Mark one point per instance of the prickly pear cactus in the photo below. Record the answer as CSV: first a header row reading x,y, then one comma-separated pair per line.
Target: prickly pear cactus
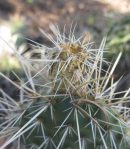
x,y
67,102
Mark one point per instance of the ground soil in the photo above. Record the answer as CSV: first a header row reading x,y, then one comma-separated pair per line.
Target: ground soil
x,y
92,15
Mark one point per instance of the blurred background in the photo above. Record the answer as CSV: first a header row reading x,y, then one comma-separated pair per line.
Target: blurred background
x,y
21,19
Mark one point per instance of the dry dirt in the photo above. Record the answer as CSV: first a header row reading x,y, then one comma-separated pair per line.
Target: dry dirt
x,y
93,15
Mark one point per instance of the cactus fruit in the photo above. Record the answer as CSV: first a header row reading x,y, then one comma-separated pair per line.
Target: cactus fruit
x,y
68,100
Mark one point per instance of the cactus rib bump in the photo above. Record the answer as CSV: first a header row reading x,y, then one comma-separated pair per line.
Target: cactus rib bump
x,y
68,100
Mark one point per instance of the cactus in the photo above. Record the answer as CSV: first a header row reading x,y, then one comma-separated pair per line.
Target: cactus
x,y
68,100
